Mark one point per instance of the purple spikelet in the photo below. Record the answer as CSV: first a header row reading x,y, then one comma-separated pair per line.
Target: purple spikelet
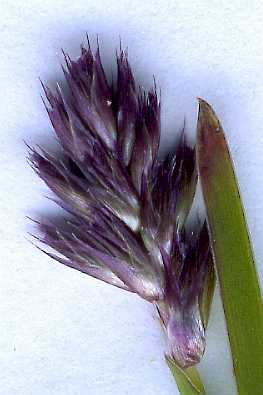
x,y
128,207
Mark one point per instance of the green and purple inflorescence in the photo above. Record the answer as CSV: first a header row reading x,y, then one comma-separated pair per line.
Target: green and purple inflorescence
x,y
128,207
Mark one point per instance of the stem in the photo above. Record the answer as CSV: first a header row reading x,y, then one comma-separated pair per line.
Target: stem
x,y
188,380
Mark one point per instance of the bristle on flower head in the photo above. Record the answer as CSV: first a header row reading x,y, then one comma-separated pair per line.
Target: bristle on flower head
x,y
128,207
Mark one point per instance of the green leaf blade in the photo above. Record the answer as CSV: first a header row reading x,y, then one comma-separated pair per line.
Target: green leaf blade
x,y
206,298
232,252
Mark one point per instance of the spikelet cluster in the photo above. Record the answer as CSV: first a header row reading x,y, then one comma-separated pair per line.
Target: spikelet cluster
x,y
128,207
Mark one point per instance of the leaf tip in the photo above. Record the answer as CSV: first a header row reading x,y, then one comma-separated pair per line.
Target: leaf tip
x,y
207,119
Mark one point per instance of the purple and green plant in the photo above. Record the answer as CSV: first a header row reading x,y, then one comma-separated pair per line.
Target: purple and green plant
x,y
128,207
129,214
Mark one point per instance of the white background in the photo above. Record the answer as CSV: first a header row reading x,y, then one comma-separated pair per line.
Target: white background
x,y
63,333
